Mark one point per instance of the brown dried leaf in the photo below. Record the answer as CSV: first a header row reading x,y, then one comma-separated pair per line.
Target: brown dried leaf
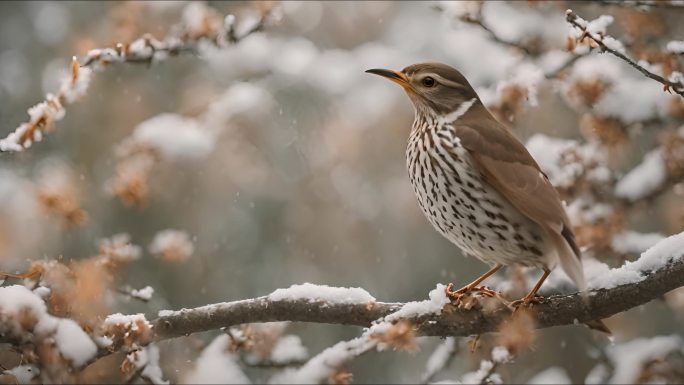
x,y
519,332
401,336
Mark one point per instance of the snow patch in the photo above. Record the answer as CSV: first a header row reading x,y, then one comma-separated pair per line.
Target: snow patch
x,y
314,293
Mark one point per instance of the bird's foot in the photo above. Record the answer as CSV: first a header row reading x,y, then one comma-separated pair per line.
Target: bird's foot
x,y
456,295
526,301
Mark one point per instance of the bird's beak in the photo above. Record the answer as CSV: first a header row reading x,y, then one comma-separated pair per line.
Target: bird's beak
x,y
395,76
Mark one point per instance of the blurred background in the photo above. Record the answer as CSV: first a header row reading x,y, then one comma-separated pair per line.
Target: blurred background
x,y
302,174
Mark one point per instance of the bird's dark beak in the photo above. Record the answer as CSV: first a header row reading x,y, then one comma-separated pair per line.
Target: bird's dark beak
x,y
395,76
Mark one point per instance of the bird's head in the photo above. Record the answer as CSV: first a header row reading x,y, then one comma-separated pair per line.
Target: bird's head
x,y
435,89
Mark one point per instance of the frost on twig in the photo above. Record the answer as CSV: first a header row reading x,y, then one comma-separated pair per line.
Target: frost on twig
x,y
595,32
200,25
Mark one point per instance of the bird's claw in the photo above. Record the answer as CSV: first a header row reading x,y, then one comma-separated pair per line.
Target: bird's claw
x,y
526,301
456,295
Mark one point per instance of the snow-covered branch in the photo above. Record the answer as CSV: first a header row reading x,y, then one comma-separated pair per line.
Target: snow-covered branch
x,y
200,25
554,311
658,271
595,31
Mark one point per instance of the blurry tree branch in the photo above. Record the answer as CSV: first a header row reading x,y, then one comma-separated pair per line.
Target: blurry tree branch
x,y
210,28
477,20
643,4
676,85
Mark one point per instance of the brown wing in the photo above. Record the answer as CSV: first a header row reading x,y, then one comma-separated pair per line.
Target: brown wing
x,y
512,171
510,168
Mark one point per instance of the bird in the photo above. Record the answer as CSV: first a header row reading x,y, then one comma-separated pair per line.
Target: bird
x,y
478,185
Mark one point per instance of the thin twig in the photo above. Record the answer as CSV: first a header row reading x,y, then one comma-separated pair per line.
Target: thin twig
x,y
477,21
144,50
493,36
643,4
677,87
567,64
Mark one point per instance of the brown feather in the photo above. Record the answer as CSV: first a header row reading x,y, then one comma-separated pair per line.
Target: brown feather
x,y
510,168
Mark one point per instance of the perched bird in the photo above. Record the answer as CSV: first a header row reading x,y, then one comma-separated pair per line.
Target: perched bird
x,y
478,185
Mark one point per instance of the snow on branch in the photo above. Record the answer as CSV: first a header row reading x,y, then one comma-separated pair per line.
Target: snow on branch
x,y
390,325
200,25
658,271
596,31
646,285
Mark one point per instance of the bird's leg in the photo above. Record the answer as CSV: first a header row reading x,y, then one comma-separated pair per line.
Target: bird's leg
x,y
532,295
455,295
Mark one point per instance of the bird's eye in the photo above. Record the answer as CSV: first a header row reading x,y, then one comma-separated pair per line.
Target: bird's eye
x,y
428,81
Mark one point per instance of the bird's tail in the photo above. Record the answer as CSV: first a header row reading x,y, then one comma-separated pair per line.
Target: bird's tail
x,y
570,258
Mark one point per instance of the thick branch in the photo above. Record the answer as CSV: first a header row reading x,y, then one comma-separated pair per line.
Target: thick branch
x,y
669,85
554,311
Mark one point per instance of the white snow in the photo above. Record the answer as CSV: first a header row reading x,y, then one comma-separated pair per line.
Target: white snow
x,y
458,9
48,111
643,179
147,359
216,365
562,172
74,344
676,46
314,293
289,348
240,99
165,313
439,357
525,75
633,100
131,320
145,293
174,136
71,341
656,257
629,357
74,89
481,374
433,305
629,96
613,44
320,367
552,375
599,25
501,355
597,375
119,247
176,244
634,242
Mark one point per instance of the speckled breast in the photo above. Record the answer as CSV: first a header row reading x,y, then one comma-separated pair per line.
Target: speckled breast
x,y
463,207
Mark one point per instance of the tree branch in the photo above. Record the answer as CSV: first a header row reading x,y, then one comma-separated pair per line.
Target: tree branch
x,y
642,4
217,31
553,311
669,85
